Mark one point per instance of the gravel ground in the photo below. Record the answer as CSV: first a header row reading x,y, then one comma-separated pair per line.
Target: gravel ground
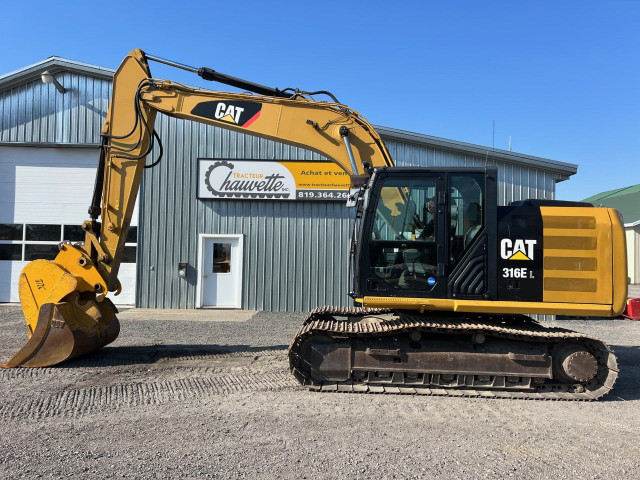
x,y
185,394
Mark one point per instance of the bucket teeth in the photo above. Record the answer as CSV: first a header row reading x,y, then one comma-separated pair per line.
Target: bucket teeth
x,y
61,333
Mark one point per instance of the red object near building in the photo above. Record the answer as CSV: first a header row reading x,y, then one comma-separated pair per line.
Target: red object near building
x,y
632,310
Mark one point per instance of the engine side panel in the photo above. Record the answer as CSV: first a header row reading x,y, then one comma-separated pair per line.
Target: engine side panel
x,y
519,252
578,255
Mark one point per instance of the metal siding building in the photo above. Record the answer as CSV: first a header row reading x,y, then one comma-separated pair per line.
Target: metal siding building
x,y
295,252
36,114
48,157
286,244
633,252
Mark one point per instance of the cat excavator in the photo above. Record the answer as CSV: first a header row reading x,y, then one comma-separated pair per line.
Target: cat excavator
x,y
443,279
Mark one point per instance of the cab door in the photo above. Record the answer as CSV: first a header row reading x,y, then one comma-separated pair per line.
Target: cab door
x,y
401,243
470,236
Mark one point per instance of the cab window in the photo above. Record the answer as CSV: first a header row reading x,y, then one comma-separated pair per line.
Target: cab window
x,y
467,205
403,235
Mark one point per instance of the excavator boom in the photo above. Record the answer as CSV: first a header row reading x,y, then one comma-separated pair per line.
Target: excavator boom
x,y
64,300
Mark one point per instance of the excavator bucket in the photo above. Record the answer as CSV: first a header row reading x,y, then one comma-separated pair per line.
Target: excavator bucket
x,y
54,340
63,321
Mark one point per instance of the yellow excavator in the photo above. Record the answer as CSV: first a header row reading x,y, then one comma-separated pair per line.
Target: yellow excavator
x,y
442,277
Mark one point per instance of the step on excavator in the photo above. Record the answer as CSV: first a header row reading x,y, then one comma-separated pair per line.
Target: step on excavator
x,y
443,279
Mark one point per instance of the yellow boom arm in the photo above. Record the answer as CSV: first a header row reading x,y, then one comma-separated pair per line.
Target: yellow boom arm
x,y
64,300
299,120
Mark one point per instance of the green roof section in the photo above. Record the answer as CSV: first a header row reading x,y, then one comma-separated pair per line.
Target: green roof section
x,y
626,200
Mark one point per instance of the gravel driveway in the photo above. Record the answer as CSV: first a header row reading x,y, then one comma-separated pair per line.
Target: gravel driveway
x,y
185,394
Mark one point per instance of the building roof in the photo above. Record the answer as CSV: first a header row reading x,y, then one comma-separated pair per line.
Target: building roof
x,y
53,65
626,200
478,150
56,64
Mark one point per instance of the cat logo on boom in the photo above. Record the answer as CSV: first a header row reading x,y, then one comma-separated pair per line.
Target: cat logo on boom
x,y
238,113
228,113
517,249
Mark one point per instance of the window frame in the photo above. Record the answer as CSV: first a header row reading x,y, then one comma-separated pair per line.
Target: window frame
x,y
368,283
480,180
24,242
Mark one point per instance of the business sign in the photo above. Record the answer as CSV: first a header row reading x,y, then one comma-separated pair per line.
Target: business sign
x,y
271,180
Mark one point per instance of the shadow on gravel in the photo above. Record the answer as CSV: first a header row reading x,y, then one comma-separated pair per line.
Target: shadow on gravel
x,y
627,386
627,355
135,355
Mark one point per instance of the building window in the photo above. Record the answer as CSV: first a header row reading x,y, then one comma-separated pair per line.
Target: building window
x,y
10,252
73,233
33,241
11,231
37,251
129,255
43,233
221,258
132,235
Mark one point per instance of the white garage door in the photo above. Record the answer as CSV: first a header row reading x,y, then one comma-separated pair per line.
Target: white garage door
x,y
44,198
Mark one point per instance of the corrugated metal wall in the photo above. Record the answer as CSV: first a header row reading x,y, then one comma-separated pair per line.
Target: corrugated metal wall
x,y
295,254
284,241
515,182
37,113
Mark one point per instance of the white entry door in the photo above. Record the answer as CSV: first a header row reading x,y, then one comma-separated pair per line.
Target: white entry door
x,y
220,271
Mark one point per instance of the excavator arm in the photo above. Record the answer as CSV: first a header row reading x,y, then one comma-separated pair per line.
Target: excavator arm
x,y
64,300
328,128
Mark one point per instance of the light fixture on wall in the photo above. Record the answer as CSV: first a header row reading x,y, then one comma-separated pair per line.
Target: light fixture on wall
x,y
49,78
182,270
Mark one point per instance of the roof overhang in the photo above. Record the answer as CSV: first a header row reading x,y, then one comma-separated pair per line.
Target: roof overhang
x,y
53,65
565,170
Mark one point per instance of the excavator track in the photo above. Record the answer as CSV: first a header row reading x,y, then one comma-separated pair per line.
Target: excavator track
x,y
503,356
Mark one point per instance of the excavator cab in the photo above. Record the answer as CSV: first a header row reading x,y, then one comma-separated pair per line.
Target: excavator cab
x,y
436,239
415,247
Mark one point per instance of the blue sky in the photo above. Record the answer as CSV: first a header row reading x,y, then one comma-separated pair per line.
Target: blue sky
x,y
561,78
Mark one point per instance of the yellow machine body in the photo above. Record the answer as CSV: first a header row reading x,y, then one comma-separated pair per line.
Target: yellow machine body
x,y
64,301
